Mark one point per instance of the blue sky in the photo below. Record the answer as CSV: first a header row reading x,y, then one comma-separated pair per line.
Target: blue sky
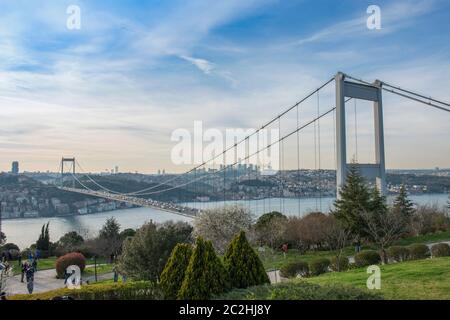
x,y
112,92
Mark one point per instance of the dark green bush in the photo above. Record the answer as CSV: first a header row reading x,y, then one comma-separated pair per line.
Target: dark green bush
x,y
292,269
142,290
418,251
243,265
398,253
299,290
205,275
367,258
339,265
440,250
319,266
73,258
175,269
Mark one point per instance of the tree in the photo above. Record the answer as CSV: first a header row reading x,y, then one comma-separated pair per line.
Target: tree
x,y
337,238
205,275
383,227
221,225
270,228
127,233
308,232
70,240
403,205
173,274
145,255
109,240
2,238
354,199
243,265
43,242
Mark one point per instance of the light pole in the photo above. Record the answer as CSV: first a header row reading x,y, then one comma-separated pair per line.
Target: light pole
x,y
95,268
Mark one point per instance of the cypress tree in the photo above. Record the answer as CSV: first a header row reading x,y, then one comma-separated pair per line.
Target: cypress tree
x,y
173,274
205,275
243,265
402,204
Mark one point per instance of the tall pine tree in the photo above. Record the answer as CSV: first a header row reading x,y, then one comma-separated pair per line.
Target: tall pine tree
x,y
403,205
354,199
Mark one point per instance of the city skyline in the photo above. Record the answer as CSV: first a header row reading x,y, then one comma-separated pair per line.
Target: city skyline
x,y
112,92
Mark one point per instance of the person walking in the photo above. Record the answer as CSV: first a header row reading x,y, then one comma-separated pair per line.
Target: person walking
x,y
30,279
34,264
23,270
116,274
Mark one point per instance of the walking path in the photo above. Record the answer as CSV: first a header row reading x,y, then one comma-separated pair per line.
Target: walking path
x,y
45,280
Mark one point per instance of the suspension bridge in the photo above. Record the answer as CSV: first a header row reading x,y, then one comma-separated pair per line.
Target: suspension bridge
x,y
252,157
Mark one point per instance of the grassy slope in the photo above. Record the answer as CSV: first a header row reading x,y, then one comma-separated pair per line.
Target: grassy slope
x,y
421,279
276,259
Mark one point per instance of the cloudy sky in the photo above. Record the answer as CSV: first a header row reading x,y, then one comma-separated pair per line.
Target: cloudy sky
x,y
112,92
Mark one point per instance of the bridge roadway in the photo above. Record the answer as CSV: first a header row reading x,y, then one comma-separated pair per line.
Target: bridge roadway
x,y
159,205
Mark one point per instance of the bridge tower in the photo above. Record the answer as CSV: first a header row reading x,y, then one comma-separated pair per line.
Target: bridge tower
x,y
366,92
67,160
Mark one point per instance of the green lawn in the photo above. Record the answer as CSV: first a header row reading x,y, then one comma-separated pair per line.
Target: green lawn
x,y
429,238
274,259
101,269
421,279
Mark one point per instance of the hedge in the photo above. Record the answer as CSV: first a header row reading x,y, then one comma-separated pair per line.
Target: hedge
x,y
292,269
141,290
299,290
418,251
339,265
73,258
440,250
319,266
398,253
366,258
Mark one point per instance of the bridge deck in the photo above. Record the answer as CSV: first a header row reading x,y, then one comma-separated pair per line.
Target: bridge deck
x,y
158,205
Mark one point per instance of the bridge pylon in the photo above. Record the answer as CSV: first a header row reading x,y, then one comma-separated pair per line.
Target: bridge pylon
x,y
373,92
67,160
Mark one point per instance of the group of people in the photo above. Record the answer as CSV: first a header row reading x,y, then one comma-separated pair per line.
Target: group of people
x,y
28,268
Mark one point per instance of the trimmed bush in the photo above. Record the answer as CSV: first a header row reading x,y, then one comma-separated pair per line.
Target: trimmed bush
x,y
141,290
73,258
319,266
398,253
293,269
173,273
300,290
367,258
418,251
339,265
205,275
243,265
440,250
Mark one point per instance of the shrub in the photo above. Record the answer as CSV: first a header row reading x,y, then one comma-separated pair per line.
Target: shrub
x,y
292,269
141,290
418,251
175,269
9,246
319,266
301,290
339,264
205,275
440,250
73,258
145,255
243,265
367,258
398,253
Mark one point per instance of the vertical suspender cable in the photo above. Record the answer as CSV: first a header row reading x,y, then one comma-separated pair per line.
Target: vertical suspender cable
x,y
319,150
298,165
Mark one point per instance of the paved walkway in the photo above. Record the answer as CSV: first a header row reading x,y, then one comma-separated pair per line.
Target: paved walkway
x,y
45,280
